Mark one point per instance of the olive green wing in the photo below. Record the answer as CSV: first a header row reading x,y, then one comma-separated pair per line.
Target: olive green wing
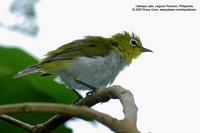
x,y
88,47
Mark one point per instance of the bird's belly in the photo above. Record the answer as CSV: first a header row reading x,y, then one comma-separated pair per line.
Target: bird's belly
x,y
97,72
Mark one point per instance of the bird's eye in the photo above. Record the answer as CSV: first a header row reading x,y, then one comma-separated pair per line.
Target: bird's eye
x,y
133,42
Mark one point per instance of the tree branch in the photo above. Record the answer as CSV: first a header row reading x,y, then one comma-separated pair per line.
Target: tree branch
x,y
76,111
16,122
127,125
127,100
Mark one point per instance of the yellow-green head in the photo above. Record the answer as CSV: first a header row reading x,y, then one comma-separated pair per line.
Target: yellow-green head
x,y
129,45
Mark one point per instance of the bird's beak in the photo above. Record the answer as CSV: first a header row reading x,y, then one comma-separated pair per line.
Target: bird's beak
x,y
146,50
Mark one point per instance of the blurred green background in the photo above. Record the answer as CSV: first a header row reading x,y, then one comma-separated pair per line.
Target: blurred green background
x,y
31,88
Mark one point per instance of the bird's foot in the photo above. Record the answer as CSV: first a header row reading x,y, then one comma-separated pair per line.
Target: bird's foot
x,y
77,79
90,93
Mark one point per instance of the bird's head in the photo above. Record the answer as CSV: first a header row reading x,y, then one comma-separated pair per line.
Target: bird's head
x,y
129,45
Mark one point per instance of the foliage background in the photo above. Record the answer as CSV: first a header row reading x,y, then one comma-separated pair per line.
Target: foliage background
x,y
31,88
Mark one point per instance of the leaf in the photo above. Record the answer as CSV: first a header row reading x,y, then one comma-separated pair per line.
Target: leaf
x,y
30,88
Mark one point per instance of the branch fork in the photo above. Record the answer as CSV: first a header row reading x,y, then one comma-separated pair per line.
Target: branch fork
x,y
80,110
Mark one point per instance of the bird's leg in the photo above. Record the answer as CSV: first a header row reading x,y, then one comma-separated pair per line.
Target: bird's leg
x,y
77,79
85,84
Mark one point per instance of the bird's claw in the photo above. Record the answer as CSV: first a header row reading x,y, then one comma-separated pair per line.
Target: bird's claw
x,y
90,93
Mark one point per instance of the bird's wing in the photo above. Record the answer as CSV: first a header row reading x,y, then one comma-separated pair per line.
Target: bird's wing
x,y
88,47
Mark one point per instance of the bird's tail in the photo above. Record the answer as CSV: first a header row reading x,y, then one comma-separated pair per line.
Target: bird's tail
x,y
27,71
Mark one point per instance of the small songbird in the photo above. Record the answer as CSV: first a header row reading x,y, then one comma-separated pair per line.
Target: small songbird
x,y
91,62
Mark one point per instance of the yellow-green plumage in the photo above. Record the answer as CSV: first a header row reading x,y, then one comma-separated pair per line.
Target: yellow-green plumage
x,y
125,48
96,60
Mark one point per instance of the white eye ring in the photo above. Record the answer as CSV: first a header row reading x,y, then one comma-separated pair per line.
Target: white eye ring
x,y
133,42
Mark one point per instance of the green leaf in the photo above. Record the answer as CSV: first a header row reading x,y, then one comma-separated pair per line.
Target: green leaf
x,y
31,88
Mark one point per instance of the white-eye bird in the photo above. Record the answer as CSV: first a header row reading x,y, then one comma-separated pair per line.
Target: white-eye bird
x,y
94,60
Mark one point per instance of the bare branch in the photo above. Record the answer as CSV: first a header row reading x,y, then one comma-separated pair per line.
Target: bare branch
x,y
127,125
76,111
102,95
59,119
16,122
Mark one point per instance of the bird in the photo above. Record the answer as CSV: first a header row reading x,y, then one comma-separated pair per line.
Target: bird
x,y
91,62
